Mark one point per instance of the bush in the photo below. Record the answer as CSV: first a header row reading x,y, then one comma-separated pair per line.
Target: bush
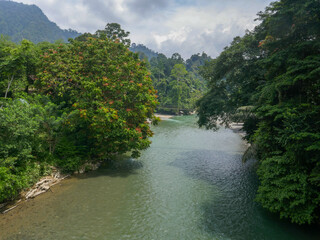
x,y
19,167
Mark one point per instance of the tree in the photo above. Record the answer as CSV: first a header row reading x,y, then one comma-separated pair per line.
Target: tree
x,y
288,110
21,155
84,37
18,62
112,31
274,72
106,92
178,85
233,78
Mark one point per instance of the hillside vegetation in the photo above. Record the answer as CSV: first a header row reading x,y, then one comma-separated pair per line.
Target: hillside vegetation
x,y
20,21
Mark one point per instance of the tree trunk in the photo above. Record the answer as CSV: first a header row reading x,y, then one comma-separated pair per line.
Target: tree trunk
x,y
9,84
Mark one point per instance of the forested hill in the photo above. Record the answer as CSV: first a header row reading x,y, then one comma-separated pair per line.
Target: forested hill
x,y
20,21
143,51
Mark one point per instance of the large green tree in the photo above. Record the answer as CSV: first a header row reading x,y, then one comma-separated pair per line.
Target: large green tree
x,y
106,91
273,72
91,100
233,78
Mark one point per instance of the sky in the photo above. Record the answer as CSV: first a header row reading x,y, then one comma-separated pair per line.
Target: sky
x,y
167,26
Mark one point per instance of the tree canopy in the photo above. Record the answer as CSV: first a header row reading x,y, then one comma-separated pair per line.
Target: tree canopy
x,y
112,31
67,105
273,73
178,82
106,86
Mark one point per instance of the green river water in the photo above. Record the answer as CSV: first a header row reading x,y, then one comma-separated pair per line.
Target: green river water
x,y
190,184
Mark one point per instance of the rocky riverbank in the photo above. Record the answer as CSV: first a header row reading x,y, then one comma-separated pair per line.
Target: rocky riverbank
x,y
44,185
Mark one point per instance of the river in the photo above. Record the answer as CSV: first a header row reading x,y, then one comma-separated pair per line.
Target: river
x,y
190,184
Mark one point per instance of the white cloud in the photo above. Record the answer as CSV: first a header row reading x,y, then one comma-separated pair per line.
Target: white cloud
x,y
179,36
166,26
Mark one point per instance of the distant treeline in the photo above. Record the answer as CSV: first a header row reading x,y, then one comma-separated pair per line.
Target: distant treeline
x,y
177,81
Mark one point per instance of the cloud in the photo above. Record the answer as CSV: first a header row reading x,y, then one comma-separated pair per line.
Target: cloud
x,y
145,8
209,28
184,26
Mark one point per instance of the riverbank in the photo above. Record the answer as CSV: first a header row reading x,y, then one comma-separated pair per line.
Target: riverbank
x,y
238,128
43,185
46,182
190,184
164,116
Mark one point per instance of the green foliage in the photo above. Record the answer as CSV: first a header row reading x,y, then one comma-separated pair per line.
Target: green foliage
x,y
174,94
69,155
17,66
20,147
20,21
112,31
178,89
232,79
107,92
143,50
67,105
275,70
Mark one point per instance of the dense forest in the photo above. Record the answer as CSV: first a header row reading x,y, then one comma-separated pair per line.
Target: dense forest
x,y
20,21
178,81
270,80
66,105
143,51
178,86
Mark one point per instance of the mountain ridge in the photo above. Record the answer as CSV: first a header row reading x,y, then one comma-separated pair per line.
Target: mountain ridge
x,y
22,21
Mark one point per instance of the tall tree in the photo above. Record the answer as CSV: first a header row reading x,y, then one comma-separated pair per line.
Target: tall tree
x,y
17,65
178,85
274,72
112,31
106,91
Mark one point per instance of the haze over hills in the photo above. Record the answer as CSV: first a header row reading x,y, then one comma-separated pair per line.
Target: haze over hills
x,y
20,21
141,49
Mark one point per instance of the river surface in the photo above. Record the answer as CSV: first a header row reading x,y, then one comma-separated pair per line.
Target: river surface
x,y
190,184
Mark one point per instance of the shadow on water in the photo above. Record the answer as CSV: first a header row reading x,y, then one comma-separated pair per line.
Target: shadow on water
x,y
37,214
122,166
232,213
